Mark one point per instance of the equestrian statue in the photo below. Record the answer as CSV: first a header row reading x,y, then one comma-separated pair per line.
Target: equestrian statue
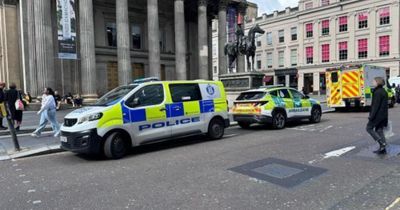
x,y
245,45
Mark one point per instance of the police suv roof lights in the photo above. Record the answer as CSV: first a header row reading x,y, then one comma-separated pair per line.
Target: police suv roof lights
x,y
143,80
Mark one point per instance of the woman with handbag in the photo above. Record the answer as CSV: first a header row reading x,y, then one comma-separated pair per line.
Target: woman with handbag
x,y
14,101
48,114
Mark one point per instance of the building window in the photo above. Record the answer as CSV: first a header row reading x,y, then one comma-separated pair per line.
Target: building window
x,y
324,2
269,60
293,57
269,38
281,57
384,46
258,58
325,27
309,55
136,37
215,70
362,48
258,41
384,16
363,20
325,53
293,32
309,5
343,24
309,30
111,30
342,51
281,34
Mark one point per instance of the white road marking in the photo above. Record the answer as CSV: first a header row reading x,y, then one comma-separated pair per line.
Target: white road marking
x,y
15,165
397,201
22,175
37,202
31,191
18,169
26,182
339,152
325,129
231,135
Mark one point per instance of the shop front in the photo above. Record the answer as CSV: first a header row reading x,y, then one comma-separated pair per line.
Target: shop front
x,y
287,77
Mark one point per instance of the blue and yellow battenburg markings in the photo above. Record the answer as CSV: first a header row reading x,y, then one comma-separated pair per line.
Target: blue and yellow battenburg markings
x,y
172,110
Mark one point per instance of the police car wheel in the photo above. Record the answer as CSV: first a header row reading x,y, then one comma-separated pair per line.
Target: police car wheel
x,y
315,115
278,120
115,146
244,125
216,129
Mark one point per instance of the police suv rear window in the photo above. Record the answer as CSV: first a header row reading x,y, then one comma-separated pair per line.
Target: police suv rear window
x,y
251,96
185,92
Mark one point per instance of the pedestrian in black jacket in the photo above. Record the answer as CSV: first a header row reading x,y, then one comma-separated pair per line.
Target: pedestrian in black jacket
x,y
12,95
378,116
2,100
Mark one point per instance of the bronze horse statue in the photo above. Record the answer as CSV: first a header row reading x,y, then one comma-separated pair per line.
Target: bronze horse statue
x,y
244,45
250,45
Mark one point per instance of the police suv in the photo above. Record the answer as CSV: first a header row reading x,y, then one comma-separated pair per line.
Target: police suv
x,y
144,113
274,105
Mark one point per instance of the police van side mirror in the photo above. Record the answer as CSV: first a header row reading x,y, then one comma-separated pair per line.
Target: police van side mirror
x,y
306,97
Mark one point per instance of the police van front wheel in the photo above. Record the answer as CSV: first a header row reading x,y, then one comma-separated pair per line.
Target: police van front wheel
x,y
115,146
216,129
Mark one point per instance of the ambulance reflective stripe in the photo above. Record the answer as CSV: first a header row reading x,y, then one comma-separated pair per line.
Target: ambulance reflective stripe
x,y
350,81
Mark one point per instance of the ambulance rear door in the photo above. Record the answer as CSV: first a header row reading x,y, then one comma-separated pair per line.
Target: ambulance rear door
x,y
334,92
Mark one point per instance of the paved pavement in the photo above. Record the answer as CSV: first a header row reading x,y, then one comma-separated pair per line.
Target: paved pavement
x,y
329,165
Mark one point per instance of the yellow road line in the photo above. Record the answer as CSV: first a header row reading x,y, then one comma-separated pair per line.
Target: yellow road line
x,y
397,201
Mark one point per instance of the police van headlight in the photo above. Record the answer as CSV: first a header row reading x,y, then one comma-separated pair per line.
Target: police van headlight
x,y
91,117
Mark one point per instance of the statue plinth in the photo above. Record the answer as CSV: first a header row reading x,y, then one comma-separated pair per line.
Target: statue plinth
x,y
242,81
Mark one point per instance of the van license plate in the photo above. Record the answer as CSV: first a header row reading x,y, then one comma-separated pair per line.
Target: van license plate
x,y
64,139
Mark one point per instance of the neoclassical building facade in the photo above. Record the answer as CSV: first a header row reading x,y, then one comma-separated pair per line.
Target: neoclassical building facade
x,y
301,43
117,41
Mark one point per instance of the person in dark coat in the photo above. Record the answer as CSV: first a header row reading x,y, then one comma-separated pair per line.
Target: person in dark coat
x,y
2,100
12,95
378,116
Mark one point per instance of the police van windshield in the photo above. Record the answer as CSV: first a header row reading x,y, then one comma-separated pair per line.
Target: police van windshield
x,y
251,96
115,95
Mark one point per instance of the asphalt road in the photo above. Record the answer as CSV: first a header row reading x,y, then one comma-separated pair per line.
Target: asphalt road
x,y
301,167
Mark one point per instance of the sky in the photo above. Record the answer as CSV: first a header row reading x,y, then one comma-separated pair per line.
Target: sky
x,y
268,6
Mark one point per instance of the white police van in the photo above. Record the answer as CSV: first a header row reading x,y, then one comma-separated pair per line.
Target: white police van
x,y
144,113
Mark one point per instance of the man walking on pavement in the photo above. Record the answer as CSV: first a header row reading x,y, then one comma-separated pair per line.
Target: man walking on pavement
x,y
378,116
3,111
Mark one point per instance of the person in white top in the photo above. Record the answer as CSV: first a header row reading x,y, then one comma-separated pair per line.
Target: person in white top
x,y
47,114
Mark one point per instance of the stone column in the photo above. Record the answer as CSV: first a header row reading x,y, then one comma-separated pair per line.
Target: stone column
x,y
124,57
210,49
222,60
44,45
32,50
88,59
154,38
180,40
202,39
241,58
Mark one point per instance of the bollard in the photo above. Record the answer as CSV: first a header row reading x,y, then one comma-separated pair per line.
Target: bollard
x,y
13,132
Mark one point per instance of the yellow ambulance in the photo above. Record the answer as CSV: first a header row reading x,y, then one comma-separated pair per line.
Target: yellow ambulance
x,y
144,113
351,86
